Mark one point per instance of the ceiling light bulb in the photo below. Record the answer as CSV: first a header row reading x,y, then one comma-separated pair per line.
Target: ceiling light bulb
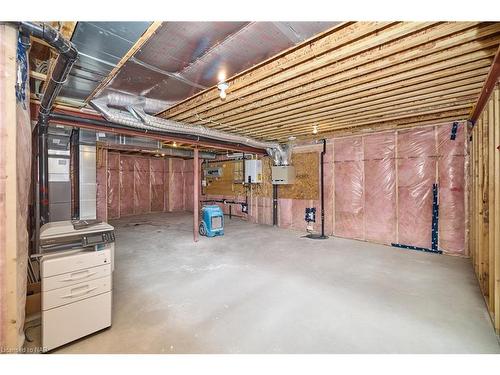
x,y
222,89
315,129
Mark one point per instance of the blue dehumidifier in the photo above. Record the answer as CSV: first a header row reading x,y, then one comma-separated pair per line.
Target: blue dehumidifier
x,y
212,221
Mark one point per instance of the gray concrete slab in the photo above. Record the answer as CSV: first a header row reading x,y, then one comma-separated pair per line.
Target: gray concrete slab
x,y
259,289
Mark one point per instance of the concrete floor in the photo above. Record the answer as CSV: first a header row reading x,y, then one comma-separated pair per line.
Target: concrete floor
x,y
264,290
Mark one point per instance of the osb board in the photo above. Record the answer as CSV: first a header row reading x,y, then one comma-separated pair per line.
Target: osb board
x,y
224,185
306,184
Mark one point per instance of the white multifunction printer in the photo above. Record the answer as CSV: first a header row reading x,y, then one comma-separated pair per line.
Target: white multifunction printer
x,y
76,268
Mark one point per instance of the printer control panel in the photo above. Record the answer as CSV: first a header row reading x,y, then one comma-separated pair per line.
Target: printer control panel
x,y
98,238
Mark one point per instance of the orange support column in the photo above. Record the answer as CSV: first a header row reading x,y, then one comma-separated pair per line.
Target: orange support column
x,y
196,182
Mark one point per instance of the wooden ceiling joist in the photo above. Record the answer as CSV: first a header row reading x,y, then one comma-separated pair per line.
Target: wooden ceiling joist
x,y
489,85
334,63
363,103
312,88
400,113
425,100
390,85
455,114
358,74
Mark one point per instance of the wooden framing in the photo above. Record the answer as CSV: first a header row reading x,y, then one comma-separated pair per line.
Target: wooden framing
x,y
13,248
488,88
356,74
485,204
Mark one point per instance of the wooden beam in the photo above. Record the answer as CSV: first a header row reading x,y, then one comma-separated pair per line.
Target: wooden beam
x,y
400,78
388,54
151,30
376,97
402,116
38,76
302,72
11,256
491,206
66,28
346,112
375,116
489,86
420,120
496,199
457,60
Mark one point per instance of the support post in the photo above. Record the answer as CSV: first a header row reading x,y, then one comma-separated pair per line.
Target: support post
x,y
196,200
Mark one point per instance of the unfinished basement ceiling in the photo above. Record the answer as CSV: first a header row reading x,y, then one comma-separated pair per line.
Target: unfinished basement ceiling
x,y
181,59
369,75
101,46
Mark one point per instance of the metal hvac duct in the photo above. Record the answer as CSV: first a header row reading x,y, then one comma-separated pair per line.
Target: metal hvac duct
x,y
133,112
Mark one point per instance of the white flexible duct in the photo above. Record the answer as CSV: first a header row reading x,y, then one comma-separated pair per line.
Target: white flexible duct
x,y
119,100
138,117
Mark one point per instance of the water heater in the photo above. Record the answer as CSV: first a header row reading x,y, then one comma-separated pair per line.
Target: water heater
x,y
253,171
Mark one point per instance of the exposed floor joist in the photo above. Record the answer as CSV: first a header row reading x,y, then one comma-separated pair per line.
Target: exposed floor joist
x,y
357,74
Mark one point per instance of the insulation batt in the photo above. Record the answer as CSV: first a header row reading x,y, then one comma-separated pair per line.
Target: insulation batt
x,y
131,185
378,188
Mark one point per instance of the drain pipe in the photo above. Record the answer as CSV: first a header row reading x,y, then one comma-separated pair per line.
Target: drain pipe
x,y
67,57
321,236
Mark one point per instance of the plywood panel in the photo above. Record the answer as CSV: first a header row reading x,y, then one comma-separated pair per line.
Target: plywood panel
x,y
225,184
306,184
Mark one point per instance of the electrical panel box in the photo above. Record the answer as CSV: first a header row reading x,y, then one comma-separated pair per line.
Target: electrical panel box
x,y
253,171
213,172
283,175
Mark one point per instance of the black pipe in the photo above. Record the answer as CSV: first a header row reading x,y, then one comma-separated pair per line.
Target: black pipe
x,y
323,190
321,236
43,172
275,205
67,57
75,173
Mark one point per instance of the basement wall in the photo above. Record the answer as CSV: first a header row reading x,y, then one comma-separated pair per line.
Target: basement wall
x,y
484,204
378,188
135,184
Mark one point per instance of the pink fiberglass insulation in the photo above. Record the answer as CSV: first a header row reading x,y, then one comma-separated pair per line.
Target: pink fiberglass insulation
x,y
451,157
329,190
157,184
380,188
188,187
126,185
349,197
142,197
113,185
176,182
416,175
285,212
